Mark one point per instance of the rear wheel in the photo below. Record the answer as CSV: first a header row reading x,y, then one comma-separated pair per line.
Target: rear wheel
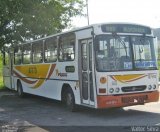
x,y
20,89
70,101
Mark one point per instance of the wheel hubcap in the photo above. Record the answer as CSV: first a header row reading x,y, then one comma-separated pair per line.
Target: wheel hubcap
x,y
69,99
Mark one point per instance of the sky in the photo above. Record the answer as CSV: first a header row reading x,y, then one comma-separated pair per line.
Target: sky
x,y
145,12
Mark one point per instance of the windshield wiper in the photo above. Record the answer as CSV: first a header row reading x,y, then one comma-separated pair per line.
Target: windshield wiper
x,y
122,42
141,41
140,52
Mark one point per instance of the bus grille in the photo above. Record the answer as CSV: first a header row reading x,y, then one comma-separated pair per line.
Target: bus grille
x,y
134,88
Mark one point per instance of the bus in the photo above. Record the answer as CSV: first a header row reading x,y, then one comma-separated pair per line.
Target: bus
x,y
99,66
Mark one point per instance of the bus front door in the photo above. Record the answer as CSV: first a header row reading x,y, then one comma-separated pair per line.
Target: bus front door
x,y
86,72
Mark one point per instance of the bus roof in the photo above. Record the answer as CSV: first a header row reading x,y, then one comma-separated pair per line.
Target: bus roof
x,y
86,27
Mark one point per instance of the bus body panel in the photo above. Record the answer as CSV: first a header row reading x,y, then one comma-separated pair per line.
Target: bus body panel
x,y
7,77
47,79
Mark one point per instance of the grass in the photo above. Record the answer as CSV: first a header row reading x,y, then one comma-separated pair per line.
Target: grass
x,y
1,77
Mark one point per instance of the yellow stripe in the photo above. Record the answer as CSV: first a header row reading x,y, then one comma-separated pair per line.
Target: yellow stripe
x,y
34,71
128,78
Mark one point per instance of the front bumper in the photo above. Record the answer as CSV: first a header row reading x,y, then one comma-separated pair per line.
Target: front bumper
x,y
127,100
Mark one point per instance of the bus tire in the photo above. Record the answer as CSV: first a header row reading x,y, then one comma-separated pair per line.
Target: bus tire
x,y
70,101
20,89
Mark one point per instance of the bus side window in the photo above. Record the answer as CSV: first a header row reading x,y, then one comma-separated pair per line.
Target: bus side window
x,y
67,47
17,55
26,54
50,49
37,52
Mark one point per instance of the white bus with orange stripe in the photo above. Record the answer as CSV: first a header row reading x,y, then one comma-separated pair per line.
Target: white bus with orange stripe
x,y
99,66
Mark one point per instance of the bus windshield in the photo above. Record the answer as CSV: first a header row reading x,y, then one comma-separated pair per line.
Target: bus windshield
x,y
113,52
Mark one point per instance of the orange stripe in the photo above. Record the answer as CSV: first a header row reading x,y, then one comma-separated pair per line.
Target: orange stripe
x,y
24,79
39,83
51,70
113,78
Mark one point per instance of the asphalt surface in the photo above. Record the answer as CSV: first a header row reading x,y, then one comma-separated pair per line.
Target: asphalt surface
x,y
34,113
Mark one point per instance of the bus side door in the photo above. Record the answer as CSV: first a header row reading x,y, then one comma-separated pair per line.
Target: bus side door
x,y
86,72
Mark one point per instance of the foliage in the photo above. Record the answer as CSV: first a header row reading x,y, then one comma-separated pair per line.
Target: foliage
x,y
22,20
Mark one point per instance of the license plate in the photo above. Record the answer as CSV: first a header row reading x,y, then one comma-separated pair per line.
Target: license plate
x,y
135,99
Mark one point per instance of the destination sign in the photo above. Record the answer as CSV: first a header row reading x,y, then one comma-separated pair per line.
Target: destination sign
x,y
125,28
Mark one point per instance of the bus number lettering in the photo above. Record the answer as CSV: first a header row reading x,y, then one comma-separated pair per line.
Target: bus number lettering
x,y
32,70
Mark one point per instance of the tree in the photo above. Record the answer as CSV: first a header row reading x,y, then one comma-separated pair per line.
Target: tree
x,y
22,20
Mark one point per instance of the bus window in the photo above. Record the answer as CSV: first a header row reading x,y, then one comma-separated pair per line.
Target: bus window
x,y
5,58
50,49
17,55
67,47
37,52
27,53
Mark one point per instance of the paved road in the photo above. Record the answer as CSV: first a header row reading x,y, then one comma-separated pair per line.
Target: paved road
x,y
40,114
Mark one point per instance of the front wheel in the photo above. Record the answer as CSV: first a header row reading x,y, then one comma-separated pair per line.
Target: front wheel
x,y
70,101
20,90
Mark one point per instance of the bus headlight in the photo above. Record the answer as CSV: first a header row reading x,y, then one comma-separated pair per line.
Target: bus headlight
x,y
117,90
149,87
154,86
111,90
